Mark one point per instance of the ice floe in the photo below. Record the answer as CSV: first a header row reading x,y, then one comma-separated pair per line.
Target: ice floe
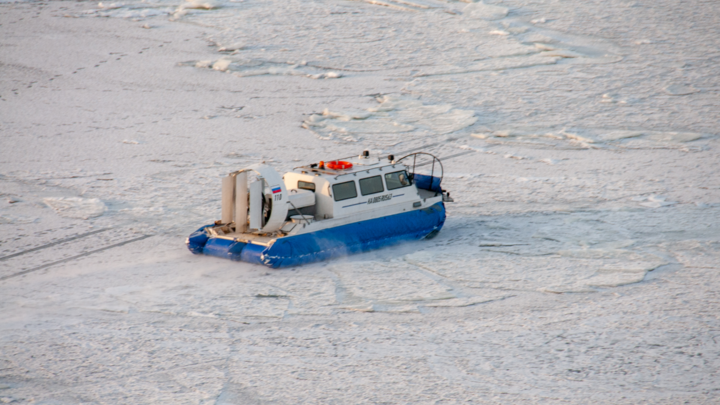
x,y
183,9
76,207
680,90
248,68
16,220
393,115
485,11
655,201
591,138
131,10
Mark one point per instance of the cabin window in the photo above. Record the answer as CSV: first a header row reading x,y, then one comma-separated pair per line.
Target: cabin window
x,y
397,180
371,185
344,191
306,185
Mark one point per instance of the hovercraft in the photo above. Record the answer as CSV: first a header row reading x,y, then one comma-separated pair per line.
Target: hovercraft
x,y
325,210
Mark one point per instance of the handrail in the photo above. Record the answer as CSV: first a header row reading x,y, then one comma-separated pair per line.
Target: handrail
x,y
432,171
298,211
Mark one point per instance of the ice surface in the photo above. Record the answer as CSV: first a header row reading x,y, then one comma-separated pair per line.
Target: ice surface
x,y
511,261
578,263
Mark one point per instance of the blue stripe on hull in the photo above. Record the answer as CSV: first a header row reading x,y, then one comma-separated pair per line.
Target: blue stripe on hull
x,y
253,254
226,249
333,242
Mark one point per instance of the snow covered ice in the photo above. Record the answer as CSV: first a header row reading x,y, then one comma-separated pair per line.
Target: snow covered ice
x,y
578,264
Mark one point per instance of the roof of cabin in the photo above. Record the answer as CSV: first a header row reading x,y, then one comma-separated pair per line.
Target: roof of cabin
x,y
360,164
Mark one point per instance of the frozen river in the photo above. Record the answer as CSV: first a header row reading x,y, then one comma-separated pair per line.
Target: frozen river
x,y
579,263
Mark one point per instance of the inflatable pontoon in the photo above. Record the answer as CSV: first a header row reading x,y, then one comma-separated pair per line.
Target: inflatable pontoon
x,y
325,210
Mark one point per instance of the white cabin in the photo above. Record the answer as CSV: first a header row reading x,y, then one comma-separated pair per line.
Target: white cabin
x,y
314,197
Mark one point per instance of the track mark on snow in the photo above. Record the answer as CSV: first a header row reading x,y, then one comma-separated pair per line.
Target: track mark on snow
x,y
53,244
44,266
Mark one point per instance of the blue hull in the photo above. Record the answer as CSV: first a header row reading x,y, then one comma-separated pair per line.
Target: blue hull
x,y
327,243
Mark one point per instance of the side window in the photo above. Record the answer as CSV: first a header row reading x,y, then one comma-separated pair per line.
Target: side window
x,y
306,185
397,180
371,185
344,191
